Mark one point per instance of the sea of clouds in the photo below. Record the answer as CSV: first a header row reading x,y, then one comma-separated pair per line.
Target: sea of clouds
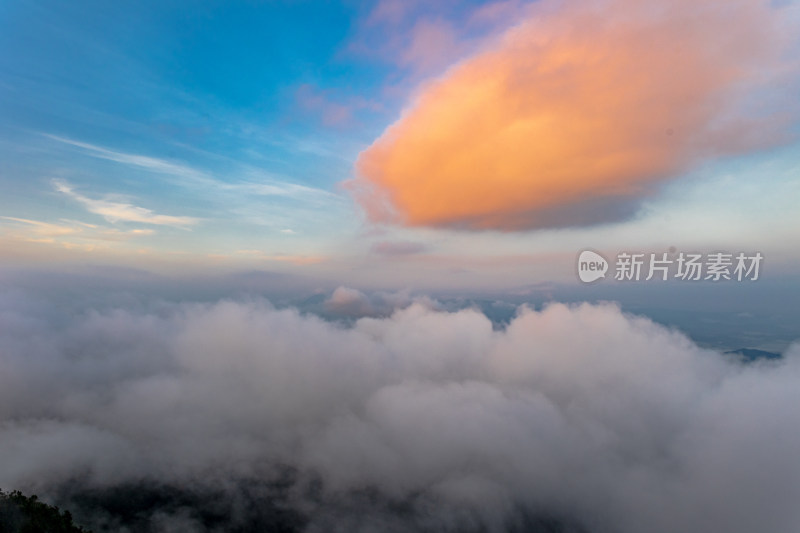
x,y
237,416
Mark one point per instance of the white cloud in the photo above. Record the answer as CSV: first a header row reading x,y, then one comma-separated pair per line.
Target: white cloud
x,y
114,211
141,161
67,231
43,229
578,412
259,185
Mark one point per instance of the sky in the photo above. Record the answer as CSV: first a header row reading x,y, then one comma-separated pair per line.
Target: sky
x,y
396,143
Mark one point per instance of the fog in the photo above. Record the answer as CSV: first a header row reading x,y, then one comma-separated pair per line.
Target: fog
x,y
232,415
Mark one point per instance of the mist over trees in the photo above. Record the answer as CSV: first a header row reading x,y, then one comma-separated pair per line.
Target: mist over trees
x,y
237,416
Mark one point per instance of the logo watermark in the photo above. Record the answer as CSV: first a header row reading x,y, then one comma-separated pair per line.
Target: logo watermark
x,y
591,266
683,266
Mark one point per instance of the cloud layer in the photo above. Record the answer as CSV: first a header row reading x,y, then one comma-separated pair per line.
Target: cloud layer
x,y
423,420
577,112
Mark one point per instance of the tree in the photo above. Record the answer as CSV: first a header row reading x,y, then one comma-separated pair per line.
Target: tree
x,y
26,514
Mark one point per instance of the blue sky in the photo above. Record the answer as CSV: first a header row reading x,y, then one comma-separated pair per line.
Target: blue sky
x,y
177,135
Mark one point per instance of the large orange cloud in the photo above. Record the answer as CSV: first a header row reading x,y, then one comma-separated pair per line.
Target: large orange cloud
x,y
573,115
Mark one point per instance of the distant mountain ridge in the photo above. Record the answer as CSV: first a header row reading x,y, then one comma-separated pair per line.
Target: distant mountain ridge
x,y
750,355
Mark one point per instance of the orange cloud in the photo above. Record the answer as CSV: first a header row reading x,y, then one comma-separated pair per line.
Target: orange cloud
x,y
573,115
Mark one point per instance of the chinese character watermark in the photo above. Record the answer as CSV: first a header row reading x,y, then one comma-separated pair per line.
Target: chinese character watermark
x,y
639,266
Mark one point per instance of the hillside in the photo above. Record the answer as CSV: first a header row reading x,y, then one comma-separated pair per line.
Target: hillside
x,y
26,514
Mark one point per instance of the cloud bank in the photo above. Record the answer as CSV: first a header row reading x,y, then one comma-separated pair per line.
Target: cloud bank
x,y
347,303
220,417
576,113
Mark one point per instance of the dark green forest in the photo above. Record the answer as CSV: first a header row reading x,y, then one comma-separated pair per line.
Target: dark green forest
x,y
26,514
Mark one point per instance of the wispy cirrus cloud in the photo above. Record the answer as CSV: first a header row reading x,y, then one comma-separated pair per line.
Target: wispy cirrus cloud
x,y
285,189
42,231
255,184
66,233
142,161
116,211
